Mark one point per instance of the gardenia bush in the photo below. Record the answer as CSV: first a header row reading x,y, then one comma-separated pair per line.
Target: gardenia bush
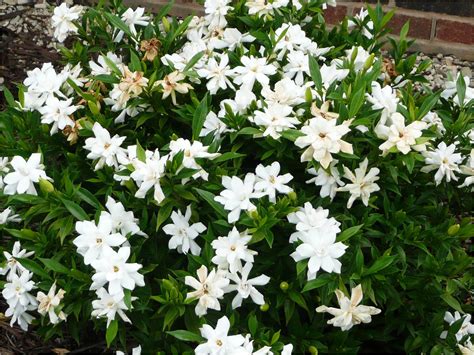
x,y
246,182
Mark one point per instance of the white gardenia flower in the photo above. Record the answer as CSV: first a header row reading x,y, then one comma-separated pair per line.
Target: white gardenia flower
x,y
237,194
147,174
432,119
276,118
48,304
285,92
400,136
385,99
350,312
105,148
101,67
467,328
208,289
308,218
246,288
320,247
172,84
192,151
217,74
468,169
123,222
467,348
109,306
183,234
231,38
13,267
451,90
135,351
133,18
25,173
43,83
16,291
269,182
323,138
368,29
112,268
253,69
329,179
297,67
94,239
216,10
445,160
19,315
218,341
232,250
7,216
58,113
332,73
19,300
362,183
213,124
62,20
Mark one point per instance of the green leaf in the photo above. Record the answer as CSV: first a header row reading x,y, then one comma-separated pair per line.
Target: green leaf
x,y
75,210
380,264
112,330
193,61
298,299
315,73
9,97
55,266
186,335
34,268
461,89
134,62
199,117
253,324
428,103
88,198
317,283
141,155
228,156
107,78
292,134
452,302
357,100
209,197
118,23
163,214
349,232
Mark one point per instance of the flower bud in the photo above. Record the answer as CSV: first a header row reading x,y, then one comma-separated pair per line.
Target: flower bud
x,y
166,24
368,63
264,307
293,197
46,186
254,214
313,350
284,286
454,229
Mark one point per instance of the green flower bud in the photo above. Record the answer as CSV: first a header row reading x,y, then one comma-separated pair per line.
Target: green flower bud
x,y
166,24
454,229
368,63
46,186
284,286
264,307
313,350
254,214
293,197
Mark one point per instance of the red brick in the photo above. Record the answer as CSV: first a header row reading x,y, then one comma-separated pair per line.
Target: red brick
x,y
455,31
420,27
334,15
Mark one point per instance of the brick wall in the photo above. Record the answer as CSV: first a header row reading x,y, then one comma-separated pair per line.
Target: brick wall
x,y
440,26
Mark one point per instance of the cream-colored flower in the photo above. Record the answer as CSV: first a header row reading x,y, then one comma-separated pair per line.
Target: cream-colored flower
x,y
132,82
171,84
323,111
48,304
350,312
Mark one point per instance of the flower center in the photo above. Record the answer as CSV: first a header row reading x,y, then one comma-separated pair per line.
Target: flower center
x,y
99,240
116,269
233,247
322,135
272,179
219,342
106,145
